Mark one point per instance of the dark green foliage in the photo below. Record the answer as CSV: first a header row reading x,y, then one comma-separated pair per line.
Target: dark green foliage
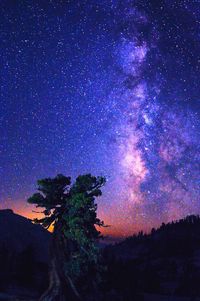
x,y
72,211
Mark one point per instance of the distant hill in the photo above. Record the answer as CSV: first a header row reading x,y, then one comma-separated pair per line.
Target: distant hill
x,y
164,262
178,238
17,233
24,254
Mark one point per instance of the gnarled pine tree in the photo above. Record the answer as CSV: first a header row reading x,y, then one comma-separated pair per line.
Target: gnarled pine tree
x,y
74,255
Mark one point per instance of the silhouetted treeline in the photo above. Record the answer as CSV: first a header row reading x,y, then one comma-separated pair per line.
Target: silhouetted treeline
x,y
164,262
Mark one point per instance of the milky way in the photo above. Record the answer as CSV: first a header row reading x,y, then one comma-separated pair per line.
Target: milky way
x,y
110,88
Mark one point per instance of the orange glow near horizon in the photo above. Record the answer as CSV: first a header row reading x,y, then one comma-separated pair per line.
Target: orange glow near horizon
x,y
115,229
118,228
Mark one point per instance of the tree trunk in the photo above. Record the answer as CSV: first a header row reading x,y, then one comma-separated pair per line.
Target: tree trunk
x,y
53,293
61,287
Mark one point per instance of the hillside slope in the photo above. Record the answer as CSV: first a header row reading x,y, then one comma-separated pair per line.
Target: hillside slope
x,y
24,255
164,262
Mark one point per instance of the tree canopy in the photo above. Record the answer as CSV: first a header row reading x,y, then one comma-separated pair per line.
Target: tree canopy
x,y
71,208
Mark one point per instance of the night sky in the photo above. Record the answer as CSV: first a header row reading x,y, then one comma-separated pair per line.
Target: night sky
x,y
104,87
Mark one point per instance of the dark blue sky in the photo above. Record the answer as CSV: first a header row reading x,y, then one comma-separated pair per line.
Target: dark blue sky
x,y
106,87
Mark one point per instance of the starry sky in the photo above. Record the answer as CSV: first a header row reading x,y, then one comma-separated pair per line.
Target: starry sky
x,y
107,87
